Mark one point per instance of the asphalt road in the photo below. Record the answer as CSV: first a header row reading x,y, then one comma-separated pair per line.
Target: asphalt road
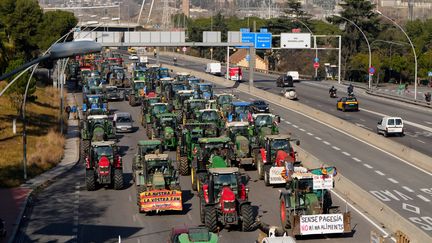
x,y
418,120
66,212
404,188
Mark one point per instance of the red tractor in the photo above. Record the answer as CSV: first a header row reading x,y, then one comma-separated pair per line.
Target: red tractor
x,y
104,166
224,200
273,157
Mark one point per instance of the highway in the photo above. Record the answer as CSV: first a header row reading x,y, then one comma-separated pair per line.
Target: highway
x,y
404,188
418,120
106,214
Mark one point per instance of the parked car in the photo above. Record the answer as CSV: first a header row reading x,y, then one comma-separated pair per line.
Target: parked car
x,y
390,125
295,75
285,81
123,122
259,106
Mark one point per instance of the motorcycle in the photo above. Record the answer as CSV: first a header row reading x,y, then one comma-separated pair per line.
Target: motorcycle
x,y
333,94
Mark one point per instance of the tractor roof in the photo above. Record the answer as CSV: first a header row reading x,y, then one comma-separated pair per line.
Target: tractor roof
x,y
241,103
153,66
197,101
279,136
139,81
185,92
102,143
166,79
97,117
159,103
161,115
111,87
204,110
149,142
224,94
227,170
237,124
156,157
222,139
94,95
262,114
205,84
182,74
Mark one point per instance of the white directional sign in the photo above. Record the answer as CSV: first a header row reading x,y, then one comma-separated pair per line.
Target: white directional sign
x,y
212,36
295,40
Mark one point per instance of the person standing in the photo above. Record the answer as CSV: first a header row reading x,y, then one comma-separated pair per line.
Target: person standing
x,y
74,112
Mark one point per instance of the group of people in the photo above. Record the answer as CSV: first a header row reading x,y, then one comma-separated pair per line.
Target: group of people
x,y
72,110
350,90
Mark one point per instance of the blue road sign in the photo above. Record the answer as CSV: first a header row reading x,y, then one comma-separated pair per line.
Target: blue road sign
x,y
244,30
248,57
263,30
247,38
263,41
316,59
371,70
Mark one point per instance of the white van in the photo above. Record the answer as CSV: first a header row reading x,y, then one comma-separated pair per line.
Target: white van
x,y
295,75
390,125
214,68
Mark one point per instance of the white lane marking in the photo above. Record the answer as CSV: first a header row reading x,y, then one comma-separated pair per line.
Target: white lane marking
x,y
346,153
301,129
335,148
310,134
407,188
363,120
349,135
430,123
318,138
420,141
379,173
294,125
356,159
282,119
364,216
393,180
326,143
423,198
138,241
405,121
367,166
287,122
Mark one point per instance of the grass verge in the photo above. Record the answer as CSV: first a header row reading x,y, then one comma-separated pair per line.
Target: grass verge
x,y
45,145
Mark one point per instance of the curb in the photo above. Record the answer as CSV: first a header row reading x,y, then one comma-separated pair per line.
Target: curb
x,y
35,189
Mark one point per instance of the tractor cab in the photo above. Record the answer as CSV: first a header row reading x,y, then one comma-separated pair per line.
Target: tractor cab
x,y
180,97
209,116
182,77
235,129
163,72
158,108
265,124
240,111
149,147
158,164
193,82
204,91
139,74
164,127
103,148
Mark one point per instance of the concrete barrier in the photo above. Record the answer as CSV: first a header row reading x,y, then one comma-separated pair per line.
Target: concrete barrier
x,y
398,150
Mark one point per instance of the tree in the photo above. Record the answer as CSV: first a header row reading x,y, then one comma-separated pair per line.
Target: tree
x,y
295,10
54,25
219,24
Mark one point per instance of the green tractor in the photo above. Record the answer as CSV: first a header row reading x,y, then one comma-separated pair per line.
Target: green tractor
x,y
163,87
95,128
150,116
241,134
145,107
211,116
164,128
224,200
145,147
308,200
209,152
192,235
178,101
189,134
191,109
138,92
264,124
182,77
103,166
157,184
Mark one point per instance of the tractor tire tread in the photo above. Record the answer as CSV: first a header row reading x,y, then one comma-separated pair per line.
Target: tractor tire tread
x,y
118,179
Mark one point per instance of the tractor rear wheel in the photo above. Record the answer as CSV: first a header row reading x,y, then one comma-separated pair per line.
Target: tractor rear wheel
x,y
90,180
267,174
194,179
285,216
247,217
179,116
260,167
132,100
118,179
184,166
210,219
139,190
85,144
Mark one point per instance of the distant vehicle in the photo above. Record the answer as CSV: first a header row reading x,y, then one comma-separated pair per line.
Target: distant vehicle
x,y
390,125
214,68
289,93
123,122
112,93
259,106
295,75
133,57
132,50
347,103
285,81
143,59
235,74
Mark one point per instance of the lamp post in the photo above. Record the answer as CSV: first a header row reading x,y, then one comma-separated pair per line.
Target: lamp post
x,y
369,48
413,49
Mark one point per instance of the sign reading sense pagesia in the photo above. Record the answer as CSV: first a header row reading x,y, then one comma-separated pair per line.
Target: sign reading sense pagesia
x,y
321,224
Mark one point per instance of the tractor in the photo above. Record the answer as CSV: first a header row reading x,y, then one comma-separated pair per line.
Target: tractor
x,y
95,128
179,98
191,109
94,102
241,134
163,73
204,91
117,77
224,200
306,207
192,234
182,77
189,134
207,152
103,166
157,184
163,87
223,102
264,124
211,116
145,147
240,111
139,90
150,116
164,128
275,153
146,105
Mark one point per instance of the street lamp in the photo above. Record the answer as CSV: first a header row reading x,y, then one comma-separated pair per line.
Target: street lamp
x,y
412,46
369,48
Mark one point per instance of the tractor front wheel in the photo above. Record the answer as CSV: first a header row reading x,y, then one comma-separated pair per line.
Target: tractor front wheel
x,y
118,179
210,219
247,217
193,179
267,174
285,216
90,180
132,100
85,144
184,166
260,167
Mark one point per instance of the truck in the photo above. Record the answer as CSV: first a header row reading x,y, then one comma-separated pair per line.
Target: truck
x,y
235,73
214,68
